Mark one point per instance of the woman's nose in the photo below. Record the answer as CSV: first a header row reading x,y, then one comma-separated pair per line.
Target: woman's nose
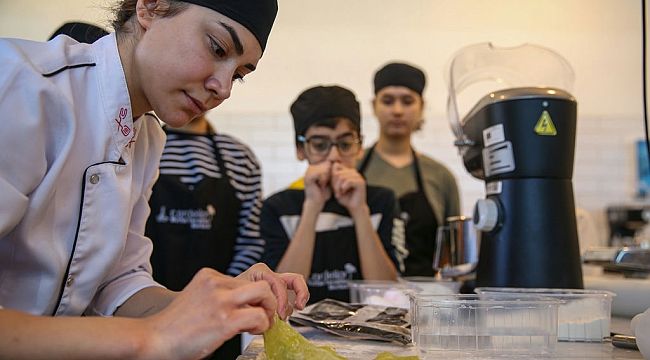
x,y
220,85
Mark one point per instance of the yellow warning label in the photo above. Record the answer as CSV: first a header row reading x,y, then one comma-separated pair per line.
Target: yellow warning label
x,y
545,125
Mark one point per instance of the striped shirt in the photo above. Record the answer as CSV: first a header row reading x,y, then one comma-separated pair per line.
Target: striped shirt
x,y
192,158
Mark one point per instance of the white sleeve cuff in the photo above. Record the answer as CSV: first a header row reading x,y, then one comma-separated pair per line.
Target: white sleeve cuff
x,y
118,291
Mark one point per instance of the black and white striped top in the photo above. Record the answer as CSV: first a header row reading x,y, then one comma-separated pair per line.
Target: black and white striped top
x,y
192,157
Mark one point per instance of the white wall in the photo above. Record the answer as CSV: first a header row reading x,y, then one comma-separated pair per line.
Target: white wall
x,y
344,41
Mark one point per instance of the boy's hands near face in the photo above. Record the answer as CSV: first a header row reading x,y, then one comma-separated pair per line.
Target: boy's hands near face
x,y
349,188
317,184
329,178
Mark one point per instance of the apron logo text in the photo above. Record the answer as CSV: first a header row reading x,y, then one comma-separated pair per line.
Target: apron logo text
x,y
333,279
197,219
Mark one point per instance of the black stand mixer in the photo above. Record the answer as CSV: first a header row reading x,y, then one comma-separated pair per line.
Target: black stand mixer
x,y
520,140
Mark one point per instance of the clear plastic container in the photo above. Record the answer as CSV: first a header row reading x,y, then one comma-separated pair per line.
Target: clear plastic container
x,y
431,285
583,315
377,292
465,324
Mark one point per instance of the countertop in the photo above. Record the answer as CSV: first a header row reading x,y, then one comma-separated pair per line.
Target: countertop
x,y
360,349
632,295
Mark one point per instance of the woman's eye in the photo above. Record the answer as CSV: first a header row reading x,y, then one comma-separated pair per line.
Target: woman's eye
x,y
238,77
216,49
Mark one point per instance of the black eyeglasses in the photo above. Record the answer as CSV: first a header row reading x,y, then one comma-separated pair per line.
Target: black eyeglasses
x,y
347,145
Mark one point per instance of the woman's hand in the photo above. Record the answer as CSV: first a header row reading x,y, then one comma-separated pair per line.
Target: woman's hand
x,y
280,284
211,309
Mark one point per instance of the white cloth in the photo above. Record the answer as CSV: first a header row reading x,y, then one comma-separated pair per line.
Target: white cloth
x,y
75,175
641,328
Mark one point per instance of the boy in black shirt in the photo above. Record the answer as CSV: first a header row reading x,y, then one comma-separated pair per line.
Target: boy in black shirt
x,y
330,226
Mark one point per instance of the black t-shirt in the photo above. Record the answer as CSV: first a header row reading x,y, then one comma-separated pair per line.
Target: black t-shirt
x,y
336,257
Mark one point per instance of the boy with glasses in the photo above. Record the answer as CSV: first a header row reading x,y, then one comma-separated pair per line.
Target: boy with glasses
x,y
330,226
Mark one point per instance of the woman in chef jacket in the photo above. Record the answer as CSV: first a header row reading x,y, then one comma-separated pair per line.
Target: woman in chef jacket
x,y
426,189
80,156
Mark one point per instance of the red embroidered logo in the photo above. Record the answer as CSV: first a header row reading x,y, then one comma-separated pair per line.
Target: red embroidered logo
x,y
124,129
135,131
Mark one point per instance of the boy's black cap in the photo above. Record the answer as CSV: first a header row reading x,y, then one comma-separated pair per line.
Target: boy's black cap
x,y
324,102
400,74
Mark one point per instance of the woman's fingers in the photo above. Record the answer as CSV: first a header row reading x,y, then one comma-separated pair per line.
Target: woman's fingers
x,y
279,289
296,282
258,294
249,319
280,283
209,311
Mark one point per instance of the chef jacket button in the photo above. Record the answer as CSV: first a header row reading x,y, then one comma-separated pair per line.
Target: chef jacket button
x,y
94,179
69,282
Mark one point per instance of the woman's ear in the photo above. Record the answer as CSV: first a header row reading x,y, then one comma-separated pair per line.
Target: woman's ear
x,y
146,11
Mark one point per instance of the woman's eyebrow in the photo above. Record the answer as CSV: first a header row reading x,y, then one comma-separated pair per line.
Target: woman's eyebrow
x,y
235,38
238,46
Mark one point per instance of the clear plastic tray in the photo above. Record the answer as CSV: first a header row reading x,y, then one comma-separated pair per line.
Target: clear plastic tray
x,y
396,293
583,315
490,324
431,285
377,292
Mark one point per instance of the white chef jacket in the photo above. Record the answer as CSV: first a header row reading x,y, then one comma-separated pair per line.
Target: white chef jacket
x,y
75,175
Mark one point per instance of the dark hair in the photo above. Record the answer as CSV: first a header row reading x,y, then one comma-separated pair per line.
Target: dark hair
x,y
80,31
125,10
318,104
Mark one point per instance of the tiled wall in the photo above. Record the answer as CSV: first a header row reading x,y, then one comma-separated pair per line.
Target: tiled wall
x,y
604,171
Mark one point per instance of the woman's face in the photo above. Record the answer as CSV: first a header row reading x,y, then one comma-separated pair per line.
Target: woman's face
x,y
398,110
186,64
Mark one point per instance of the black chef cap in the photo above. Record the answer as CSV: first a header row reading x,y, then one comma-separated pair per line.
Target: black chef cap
x,y
80,31
255,15
400,74
321,103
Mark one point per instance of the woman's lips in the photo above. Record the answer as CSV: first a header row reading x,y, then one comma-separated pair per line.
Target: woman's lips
x,y
196,106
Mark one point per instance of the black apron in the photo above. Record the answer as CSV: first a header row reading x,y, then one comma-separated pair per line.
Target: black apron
x,y
420,222
335,260
192,228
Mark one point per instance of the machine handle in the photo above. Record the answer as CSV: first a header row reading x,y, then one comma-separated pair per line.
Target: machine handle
x,y
486,214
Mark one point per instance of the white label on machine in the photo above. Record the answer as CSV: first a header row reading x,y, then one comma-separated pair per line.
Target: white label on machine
x,y
493,135
493,188
498,159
